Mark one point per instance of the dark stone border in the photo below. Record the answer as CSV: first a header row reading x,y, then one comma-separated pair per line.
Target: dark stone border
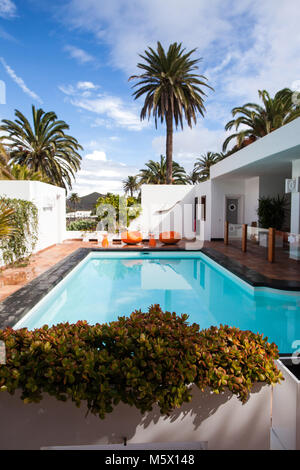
x,y
248,275
18,304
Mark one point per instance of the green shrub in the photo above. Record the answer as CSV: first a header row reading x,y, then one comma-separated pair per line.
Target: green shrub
x,y
271,211
22,242
123,211
82,225
141,360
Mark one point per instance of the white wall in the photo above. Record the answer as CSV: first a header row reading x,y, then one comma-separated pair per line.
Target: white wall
x,y
272,185
164,197
219,190
295,201
251,200
220,420
51,204
279,144
204,229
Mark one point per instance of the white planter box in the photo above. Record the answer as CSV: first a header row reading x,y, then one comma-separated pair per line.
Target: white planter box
x,y
286,408
221,421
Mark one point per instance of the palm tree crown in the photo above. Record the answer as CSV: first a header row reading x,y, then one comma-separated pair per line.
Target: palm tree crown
x,y
203,164
258,120
156,173
45,147
74,199
131,185
173,91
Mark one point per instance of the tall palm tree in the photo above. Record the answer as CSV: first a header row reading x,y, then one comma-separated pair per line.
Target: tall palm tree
x,y
74,199
5,171
131,185
173,91
261,120
203,164
156,173
45,147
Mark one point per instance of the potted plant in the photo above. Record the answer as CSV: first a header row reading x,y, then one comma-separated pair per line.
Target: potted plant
x,y
151,377
271,213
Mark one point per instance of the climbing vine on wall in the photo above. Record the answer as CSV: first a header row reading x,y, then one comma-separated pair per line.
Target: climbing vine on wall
x,y
22,243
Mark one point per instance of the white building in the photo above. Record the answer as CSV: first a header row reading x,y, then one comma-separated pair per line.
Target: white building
x,y
51,204
232,193
79,214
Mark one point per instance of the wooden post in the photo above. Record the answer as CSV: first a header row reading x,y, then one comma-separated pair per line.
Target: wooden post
x,y
271,245
244,238
226,230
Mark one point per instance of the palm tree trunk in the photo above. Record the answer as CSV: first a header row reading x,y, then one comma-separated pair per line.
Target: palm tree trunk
x,y
169,146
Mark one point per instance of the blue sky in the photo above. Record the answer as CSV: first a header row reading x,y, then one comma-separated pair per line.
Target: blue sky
x,y
74,57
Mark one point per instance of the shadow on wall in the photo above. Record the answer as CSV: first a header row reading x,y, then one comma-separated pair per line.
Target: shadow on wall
x,y
179,217
208,417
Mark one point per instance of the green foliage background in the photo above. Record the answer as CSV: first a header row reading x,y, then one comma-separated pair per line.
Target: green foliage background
x,y
122,207
82,225
22,243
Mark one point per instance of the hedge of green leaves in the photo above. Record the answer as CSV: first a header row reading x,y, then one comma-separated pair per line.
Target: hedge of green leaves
x,y
82,225
145,359
23,241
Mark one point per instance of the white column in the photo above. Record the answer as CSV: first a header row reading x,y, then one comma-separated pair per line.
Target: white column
x,y
295,201
295,213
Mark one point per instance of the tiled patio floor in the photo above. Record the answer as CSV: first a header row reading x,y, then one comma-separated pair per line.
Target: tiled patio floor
x,y
13,278
256,258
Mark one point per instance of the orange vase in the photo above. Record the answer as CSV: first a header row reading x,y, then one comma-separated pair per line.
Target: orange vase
x,y
169,238
152,241
105,242
131,238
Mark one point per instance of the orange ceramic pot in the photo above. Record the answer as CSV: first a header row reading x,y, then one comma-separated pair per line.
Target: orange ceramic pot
x,y
152,241
131,238
169,238
105,242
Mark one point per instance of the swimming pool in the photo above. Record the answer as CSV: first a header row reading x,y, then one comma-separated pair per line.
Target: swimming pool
x,y
106,285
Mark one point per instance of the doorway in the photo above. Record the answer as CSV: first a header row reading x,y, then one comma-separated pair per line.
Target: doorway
x,y
232,210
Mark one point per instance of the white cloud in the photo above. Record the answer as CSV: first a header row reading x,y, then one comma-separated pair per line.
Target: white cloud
x,y
7,9
20,82
245,46
102,175
114,108
78,54
98,155
5,35
110,110
86,86
189,144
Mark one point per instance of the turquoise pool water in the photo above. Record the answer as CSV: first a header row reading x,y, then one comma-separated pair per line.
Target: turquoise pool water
x,y
107,285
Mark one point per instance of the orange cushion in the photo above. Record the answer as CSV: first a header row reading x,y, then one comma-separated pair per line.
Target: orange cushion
x,y
131,238
169,237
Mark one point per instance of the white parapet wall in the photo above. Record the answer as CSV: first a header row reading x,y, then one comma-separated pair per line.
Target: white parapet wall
x,y
176,207
221,421
167,207
51,204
